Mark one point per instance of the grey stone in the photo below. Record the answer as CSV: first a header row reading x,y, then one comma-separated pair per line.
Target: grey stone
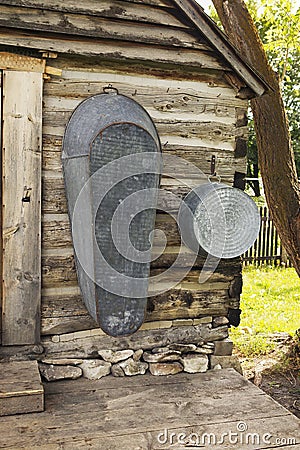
x,y
209,345
206,319
183,348
115,356
137,355
94,369
204,350
117,371
219,321
223,348
217,367
161,357
53,372
80,347
132,367
195,363
63,362
182,322
226,362
170,368
160,349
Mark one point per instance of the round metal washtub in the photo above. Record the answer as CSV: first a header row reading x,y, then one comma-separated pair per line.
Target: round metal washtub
x,y
222,220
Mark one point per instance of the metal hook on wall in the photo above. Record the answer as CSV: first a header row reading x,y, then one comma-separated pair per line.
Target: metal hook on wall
x,y
213,170
110,90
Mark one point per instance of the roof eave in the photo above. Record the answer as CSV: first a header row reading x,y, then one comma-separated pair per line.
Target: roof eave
x,y
220,42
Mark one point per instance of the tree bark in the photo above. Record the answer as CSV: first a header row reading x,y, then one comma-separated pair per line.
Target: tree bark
x,y
275,153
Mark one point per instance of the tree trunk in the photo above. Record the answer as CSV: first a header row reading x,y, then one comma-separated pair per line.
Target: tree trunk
x,y
275,151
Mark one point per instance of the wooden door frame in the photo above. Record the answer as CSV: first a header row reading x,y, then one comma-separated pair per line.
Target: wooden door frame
x,y
21,310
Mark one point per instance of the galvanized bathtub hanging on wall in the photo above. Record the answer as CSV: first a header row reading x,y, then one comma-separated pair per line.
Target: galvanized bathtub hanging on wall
x,y
112,162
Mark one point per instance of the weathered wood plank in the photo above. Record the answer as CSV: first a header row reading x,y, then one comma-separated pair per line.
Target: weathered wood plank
x,y
54,200
56,231
184,304
226,161
155,11
98,27
209,85
140,69
60,269
199,95
22,123
219,135
11,61
115,50
66,314
167,106
131,412
164,103
21,390
1,213
149,11
193,435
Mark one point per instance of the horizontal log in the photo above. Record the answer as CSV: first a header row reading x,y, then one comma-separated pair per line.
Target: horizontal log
x,y
77,24
76,345
151,89
206,85
60,270
168,109
113,50
164,105
226,162
177,304
218,134
66,314
141,70
61,325
57,233
227,267
54,200
63,306
146,11
53,196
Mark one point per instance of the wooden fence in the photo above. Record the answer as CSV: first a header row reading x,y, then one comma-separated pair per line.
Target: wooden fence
x,y
267,249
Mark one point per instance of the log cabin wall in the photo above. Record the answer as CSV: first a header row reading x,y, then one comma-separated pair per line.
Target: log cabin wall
x,y
195,118
149,52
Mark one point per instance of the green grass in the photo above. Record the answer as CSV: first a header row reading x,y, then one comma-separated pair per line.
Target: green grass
x,y
270,303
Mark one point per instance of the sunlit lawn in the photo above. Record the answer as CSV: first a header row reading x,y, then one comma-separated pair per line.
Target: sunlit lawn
x,y
270,303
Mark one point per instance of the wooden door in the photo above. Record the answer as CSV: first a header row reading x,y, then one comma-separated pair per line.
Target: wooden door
x,y
21,205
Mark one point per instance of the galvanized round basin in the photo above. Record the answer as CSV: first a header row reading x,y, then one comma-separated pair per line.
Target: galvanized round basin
x,y
222,220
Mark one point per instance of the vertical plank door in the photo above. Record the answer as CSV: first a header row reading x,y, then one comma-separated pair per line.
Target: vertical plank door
x,y
21,206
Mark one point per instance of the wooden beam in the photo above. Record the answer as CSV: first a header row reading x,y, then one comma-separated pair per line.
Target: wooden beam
x,y
21,390
220,42
22,125
13,61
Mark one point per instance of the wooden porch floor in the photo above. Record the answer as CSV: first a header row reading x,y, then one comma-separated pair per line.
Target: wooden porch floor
x,y
147,412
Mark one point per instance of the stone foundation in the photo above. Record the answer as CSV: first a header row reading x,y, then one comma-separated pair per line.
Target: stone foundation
x,y
157,348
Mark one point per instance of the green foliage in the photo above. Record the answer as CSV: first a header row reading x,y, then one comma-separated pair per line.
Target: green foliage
x,y
277,22
270,303
278,25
